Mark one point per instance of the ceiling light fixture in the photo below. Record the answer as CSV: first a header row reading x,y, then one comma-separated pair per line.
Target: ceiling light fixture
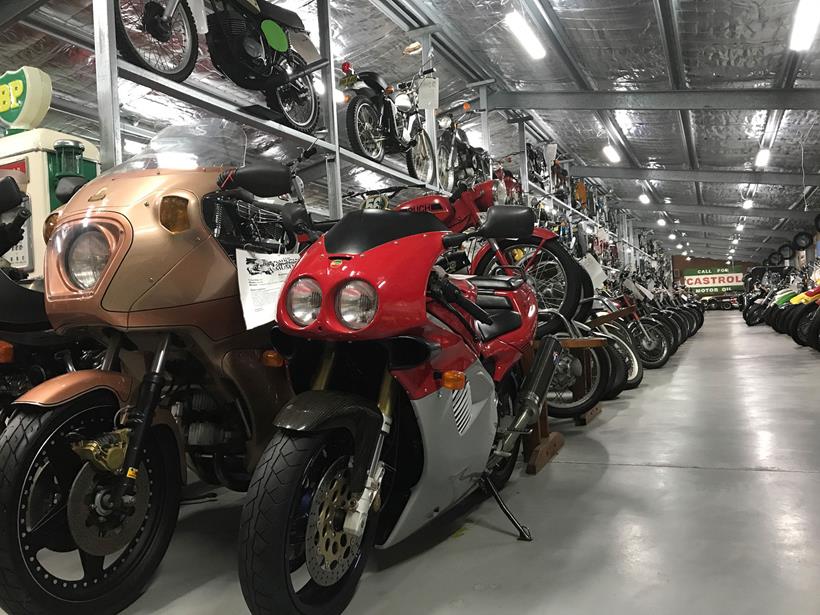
x,y
762,158
525,34
611,153
689,258
644,198
661,222
679,246
806,20
672,236
748,204
734,241
728,262
740,226
732,251
685,252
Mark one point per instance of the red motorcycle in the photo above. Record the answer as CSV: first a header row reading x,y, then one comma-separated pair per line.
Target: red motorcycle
x,y
414,394
540,256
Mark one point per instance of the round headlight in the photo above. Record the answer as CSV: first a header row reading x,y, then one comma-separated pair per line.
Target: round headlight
x,y
303,301
444,122
356,304
499,192
86,258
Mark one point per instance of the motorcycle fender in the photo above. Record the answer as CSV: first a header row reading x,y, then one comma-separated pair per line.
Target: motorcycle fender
x,y
539,233
319,411
300,42
68,387
200,16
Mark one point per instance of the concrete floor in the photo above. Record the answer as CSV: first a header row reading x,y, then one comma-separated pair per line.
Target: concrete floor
x,y
697,493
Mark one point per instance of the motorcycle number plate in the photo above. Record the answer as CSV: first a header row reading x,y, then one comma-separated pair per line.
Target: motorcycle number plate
x,y
347,81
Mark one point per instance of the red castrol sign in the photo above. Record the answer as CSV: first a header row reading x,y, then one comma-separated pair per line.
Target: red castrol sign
x,y
713,280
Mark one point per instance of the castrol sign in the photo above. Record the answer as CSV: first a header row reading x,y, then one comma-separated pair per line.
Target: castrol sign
x,y
713,280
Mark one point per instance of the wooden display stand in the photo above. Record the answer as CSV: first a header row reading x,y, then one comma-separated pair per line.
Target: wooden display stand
x,y
576,345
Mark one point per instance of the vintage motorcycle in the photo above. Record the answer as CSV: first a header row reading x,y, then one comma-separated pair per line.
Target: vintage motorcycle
x,y
411,396
93,460
457,159
257,45
382,118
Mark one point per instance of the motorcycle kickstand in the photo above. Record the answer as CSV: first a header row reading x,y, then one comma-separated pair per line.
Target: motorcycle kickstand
x,y
524,533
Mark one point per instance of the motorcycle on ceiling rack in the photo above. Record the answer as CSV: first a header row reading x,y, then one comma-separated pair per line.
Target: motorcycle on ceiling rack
x,y
382,118
257,45
537,165
457,159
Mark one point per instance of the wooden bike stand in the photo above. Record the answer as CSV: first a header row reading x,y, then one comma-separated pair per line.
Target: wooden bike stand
x,y
541,445
576,346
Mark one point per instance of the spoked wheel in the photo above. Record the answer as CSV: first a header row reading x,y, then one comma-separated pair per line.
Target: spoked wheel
x,y
625,345
364,130
548,268
579,381
446,169
294,555
801,323
167,48
296,101
421,160
63,547
652,343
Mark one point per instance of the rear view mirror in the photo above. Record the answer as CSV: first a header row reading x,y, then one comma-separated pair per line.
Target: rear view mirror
x,y
264,179
10,195
508,221
68,186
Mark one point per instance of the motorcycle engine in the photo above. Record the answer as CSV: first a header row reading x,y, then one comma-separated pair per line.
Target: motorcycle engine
x,y
237,49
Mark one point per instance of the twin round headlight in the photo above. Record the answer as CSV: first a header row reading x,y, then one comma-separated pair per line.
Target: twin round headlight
x,y
356,303
86,258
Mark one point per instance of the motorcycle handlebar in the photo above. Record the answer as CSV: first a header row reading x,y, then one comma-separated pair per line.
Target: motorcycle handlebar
x,y
454,295
20,219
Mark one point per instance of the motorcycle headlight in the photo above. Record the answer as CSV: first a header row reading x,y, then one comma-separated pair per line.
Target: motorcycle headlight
x,y
499,192
356,304
304,301
50,223
444,122
86,258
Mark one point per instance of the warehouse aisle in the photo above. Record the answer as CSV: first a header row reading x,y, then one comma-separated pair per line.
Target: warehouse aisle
x,y
698,492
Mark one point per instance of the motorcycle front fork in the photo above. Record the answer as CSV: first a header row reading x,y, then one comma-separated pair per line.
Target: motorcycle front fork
x,y
170,9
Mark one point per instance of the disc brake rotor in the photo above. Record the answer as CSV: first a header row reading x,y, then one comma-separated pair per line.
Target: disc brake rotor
x,y
96,531
329,550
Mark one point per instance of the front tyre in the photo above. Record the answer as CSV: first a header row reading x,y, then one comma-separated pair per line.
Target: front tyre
x,y
364,130
61,549
296,101
421,160
294,555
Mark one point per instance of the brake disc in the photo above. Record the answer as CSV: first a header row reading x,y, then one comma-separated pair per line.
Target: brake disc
x,y
95,530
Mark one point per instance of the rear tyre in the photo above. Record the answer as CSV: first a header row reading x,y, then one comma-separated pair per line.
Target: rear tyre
x,y
617,372
421,159
572,391
363,129
625,346
801,323
296,101
652,342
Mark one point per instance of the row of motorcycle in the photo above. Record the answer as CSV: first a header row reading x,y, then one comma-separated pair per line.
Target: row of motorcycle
x,y
414,345
786,299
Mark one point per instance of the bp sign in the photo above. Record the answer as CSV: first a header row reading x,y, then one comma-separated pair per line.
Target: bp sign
x,y
713,280
25,96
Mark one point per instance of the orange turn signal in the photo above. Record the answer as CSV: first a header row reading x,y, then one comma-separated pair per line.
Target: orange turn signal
x,y
271,358
389,89
173,213
6,352
466,106
453,380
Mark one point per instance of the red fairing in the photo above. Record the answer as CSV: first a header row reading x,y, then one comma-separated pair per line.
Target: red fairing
x,y
398,270
482,195
458,215
541,233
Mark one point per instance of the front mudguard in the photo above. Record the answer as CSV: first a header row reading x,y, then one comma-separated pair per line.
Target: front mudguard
x,y
71,387
319,411
542,234
300,43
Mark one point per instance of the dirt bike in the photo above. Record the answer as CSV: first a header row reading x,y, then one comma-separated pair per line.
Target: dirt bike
x,y
143,259
458,160
383,118
256,44
411,397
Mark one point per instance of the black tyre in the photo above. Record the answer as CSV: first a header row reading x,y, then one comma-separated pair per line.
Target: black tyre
x,y
292,557
446,167
652,342
574,391
813,332
57,553
587,292
297,101
801,323
617,373
817,222
802,240
674,332
507,393
625,345
786,251
754,315
549,269
421,159
364,130
135,20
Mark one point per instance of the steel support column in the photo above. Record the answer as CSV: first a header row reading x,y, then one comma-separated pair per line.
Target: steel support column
x,y
333,160
108,99
430,124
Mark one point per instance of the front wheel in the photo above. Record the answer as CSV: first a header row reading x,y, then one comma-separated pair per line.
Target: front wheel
x,y
294,555
421,160
296,101
167,48
364,130
63,548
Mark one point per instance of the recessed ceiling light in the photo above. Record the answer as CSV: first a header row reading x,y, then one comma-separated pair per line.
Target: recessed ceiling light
x,y
689,258
762,158
734,242
679,246
525,34
672,236
611,153
732,251
661,222
740,226
677,221
806,20
748,204
728,262
667,200
685,252
644,198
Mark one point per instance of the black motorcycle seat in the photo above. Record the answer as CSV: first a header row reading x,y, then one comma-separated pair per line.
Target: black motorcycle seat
x,y
362,230
264,179
323,226
21,309
504,321
280,15
496,283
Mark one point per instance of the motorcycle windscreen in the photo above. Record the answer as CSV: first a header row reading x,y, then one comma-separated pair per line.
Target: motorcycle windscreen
x,y
21,309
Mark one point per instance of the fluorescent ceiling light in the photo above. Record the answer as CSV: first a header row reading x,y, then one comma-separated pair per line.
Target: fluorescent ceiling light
x,y
748,204
522,30
672,236
611,153
806,20
762,158
740,226
667,200
644,198
661,222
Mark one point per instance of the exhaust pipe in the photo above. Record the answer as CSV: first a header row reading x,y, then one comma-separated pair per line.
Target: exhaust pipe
x,y
533,392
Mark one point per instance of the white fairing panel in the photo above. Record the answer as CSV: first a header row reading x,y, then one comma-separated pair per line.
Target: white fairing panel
x,y
457,434
200,17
